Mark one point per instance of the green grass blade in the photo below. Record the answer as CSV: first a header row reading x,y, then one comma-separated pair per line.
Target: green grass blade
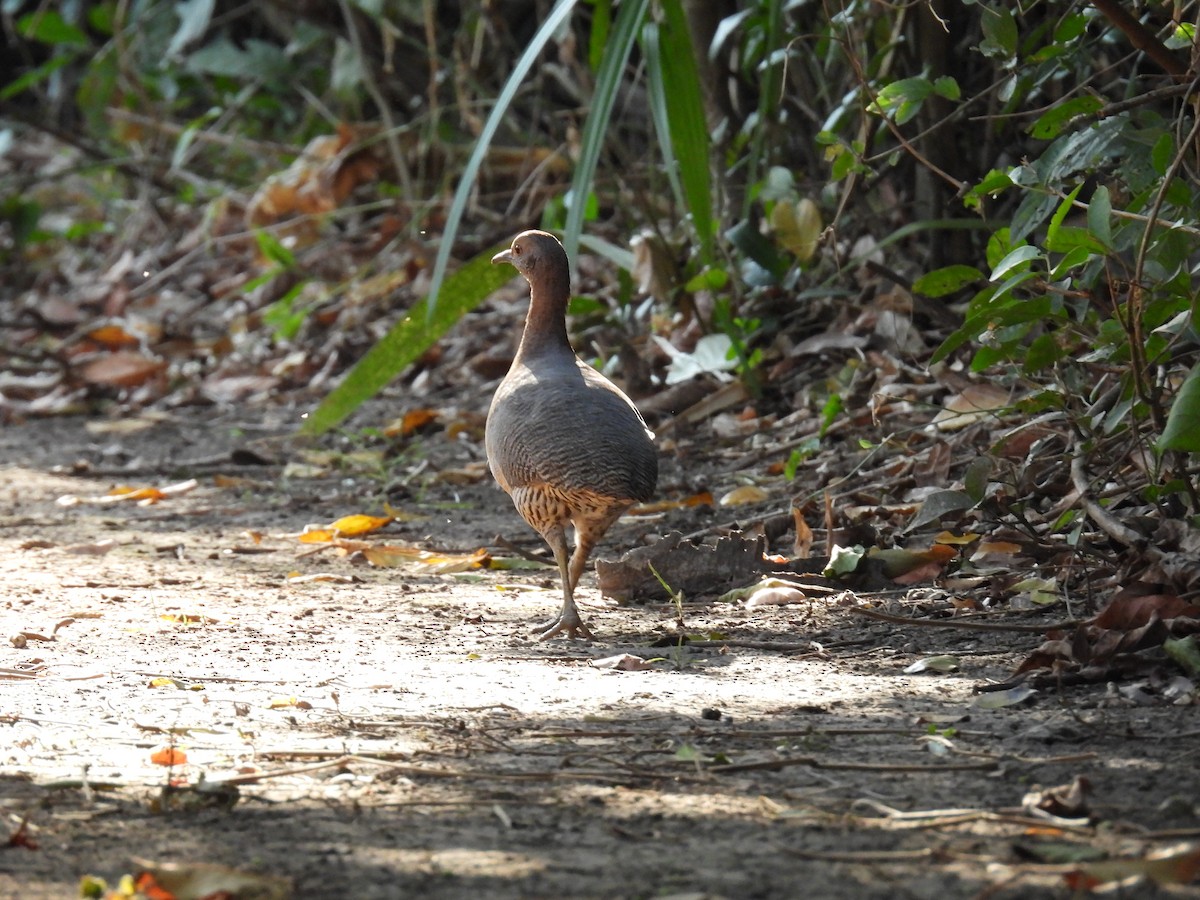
x,y
630,16
652,49
685,116
466,183
409,339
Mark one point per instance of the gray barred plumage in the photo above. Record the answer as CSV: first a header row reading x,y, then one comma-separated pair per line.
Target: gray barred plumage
x,y
565,443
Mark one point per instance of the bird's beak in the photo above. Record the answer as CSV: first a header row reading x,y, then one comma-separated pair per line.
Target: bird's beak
x,y
504,256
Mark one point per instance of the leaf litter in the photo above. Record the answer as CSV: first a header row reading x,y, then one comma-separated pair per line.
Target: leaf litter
x,y
1058,580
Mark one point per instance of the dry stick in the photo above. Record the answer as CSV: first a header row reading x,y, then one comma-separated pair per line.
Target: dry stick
x,y
963,623
772,765
408,769
1119,532
1142,38
875,856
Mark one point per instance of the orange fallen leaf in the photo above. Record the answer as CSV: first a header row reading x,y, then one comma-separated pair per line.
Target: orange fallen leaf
x,y
410,422
146,885
316,536
113,337
168,756
351,526
747,493
704,498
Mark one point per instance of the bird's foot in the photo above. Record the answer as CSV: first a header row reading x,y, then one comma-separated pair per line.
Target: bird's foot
x,y
572,625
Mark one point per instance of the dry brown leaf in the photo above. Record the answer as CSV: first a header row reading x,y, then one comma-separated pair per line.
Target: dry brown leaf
x,y
124,368
1127,613
975,403
804,535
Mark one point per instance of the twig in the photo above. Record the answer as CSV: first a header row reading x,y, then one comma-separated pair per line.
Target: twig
x,y
963,623
771,765
1119,532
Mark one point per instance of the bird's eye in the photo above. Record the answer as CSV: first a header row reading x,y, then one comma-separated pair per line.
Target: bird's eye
x,y
517,250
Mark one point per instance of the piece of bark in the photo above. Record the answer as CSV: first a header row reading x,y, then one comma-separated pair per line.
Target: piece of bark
x,y
694,569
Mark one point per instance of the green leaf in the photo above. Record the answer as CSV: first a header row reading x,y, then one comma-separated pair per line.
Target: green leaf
x,y
941,282
684,114
50,28
1182,431
1014,259
270,247
630,16
1074,257
1069,28
999,33
1185,652
601,23
1162,153
101,17
843,560
947,87
902,98
747,239
1068,238
1051,123
409,339
1183,37
1100,216
999,244
1059,214
1042,353
659,104
830,411
34,76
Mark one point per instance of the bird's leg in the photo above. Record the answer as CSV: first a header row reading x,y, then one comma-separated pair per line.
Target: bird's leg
x,y
588,532
568,619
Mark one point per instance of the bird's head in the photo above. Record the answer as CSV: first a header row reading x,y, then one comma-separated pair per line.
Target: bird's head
x,y
532,250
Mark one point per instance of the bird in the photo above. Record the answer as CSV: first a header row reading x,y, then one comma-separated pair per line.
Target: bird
x,y
564,442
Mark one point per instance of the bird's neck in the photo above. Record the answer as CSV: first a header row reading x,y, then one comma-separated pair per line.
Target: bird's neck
x,y
546,322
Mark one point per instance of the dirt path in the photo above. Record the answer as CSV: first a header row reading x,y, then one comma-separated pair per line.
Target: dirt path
x,y
395,732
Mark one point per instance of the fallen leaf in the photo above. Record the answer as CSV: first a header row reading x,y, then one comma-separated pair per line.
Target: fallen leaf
x,y
747,493
168,756
933,664
622,662
208,881
776,596
123,368
352,526
974,404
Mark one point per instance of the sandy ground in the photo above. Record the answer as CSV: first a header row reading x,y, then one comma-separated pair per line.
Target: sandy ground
x,y
396,732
